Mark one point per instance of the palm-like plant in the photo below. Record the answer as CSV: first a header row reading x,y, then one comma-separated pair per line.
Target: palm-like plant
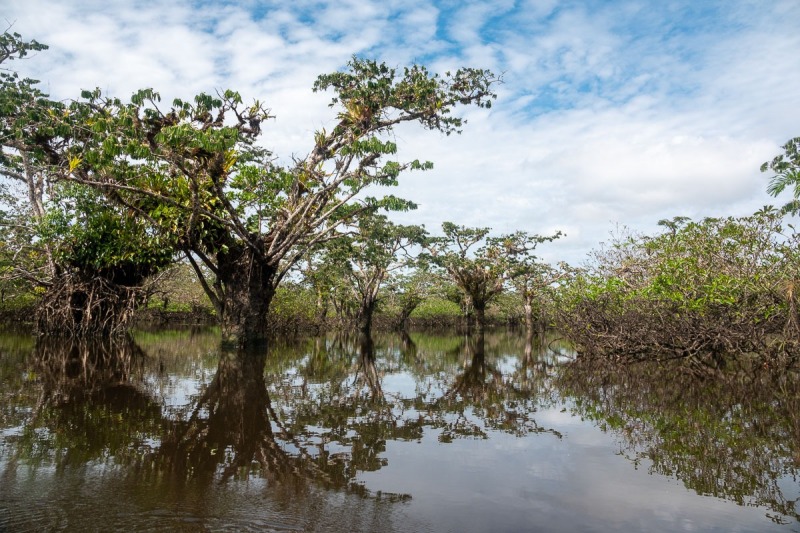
x,y
787,174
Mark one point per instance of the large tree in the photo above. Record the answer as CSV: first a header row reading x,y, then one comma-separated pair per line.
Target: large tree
x,y
196,174
482,266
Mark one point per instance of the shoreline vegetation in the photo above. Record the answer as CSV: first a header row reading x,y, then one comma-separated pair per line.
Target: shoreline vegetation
x,y
434,314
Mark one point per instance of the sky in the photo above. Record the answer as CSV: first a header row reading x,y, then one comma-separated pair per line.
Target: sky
x,y
611,113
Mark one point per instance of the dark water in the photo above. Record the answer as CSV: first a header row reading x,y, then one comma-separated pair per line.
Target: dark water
x,y
420,433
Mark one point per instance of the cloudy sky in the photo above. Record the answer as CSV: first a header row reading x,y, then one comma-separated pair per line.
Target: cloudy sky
x,y
612,112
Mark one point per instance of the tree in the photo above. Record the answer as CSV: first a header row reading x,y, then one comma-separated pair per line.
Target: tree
x,y
787,174
479,278
409,289
91,258
481,266
196,175
377,250
533,281
325,272
104,261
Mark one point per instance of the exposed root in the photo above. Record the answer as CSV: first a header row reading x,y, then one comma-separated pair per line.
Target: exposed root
x,y
75,306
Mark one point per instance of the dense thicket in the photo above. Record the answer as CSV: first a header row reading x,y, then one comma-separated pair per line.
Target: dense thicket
x,y
710,292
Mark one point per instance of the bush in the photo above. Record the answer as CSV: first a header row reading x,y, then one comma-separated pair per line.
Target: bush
x,y
706,291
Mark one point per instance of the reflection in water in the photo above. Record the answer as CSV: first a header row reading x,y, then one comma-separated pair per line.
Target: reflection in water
x,y
736,438
229,432
483,398
367,368
88,403
78,369
172,428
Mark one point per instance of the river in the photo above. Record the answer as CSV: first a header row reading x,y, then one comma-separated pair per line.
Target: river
x,y
422,432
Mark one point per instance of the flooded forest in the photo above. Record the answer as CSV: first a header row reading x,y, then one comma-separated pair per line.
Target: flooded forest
x,y
198,335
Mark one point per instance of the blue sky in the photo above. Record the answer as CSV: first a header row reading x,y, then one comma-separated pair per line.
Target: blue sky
x,y
611,112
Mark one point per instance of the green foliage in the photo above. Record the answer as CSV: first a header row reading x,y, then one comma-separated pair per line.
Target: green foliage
x,y
786,167
24,116
434,308
292,308
406,291
96,239
482,266
370,88
177,289
12,46
196,176
353,268
91,255
719,286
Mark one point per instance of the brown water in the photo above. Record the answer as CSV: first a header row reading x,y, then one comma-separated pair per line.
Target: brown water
x,y
420,433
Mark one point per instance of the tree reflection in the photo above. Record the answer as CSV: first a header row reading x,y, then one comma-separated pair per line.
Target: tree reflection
x,y
473,382
71,369
483,397
344,409
89,405
367,368
95,404
229,433
733,437
313,413
339,409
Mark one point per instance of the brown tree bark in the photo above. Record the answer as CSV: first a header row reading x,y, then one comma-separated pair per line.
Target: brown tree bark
x,y
246,286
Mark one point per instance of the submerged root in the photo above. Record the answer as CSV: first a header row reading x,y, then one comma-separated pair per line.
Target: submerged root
x,y
651,330
78,307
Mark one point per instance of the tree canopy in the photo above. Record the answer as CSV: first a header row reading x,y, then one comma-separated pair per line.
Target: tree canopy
x,y
195,173
481,266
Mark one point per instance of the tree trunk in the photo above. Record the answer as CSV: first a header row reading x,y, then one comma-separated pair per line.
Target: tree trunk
x,y
365,313
247,289
480,318
528,306
405,313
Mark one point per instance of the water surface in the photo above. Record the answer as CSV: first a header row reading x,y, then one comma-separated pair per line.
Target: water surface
x,y
427,432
